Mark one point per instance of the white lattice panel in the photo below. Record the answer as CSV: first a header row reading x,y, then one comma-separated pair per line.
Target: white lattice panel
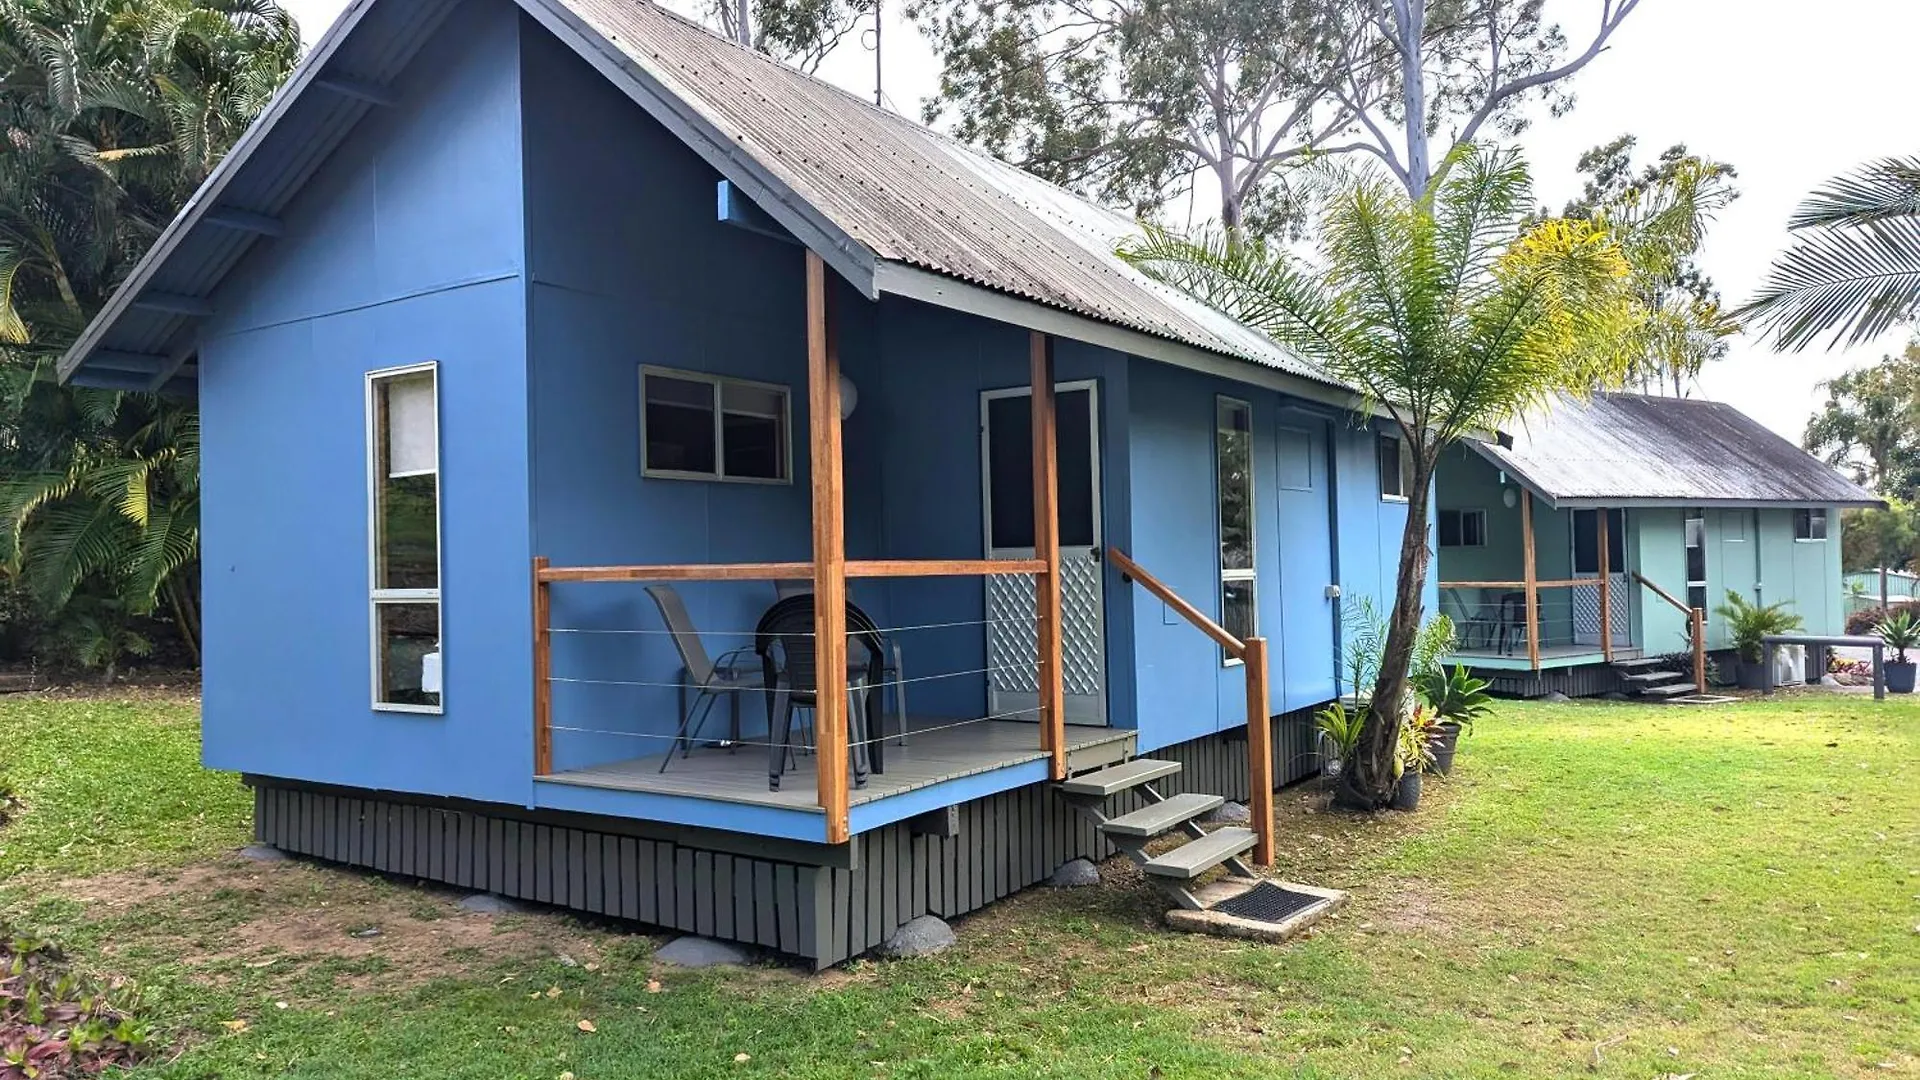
x,y
1586,612
1013,646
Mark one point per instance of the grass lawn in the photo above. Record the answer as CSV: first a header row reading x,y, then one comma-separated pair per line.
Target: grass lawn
x,y
1600,891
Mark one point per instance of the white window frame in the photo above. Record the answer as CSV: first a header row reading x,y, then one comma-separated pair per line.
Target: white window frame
x,y
1401,442
1250,575
1826,524
719,384
1464,512
376,595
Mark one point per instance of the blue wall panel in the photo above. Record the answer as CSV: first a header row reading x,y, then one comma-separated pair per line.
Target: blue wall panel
x,y
369,276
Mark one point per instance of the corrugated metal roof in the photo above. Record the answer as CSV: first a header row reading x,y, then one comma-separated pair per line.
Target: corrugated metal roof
x,y
880,187
1627,448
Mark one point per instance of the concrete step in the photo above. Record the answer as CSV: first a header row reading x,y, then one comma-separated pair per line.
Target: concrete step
x,y
1115,779
1670,690
1651,678
1638,662
1156,818
1189,861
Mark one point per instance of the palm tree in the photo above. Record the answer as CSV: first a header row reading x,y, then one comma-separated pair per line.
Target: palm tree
x,y
1451,314
1854,265
111,113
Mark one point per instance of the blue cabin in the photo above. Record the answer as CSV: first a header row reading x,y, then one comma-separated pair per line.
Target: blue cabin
x,y
555,356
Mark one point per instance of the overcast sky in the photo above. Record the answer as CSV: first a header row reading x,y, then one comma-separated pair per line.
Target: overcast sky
x,y
1789,94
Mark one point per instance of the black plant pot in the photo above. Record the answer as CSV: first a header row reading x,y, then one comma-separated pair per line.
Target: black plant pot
x,y
1407,795
1444,744
1900,676
1750,675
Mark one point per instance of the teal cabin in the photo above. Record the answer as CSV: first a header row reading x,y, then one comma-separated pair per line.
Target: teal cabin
x,y
564,368
1574,552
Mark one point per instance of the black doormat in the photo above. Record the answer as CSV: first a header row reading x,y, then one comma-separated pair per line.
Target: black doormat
x,y
1267,902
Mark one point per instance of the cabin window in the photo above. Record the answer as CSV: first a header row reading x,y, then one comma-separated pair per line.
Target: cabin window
x,y
403,482
1233,461
1696,529
1810,524
696,426
1462,528
1393,467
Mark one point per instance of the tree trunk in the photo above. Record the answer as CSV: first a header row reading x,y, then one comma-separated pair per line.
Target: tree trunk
x,y
1367,782
743,22
186,615
1411,19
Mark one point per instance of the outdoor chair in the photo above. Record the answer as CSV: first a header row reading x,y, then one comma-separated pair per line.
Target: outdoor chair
x,y
706,678
1475,626
785,643
1513,622
895,670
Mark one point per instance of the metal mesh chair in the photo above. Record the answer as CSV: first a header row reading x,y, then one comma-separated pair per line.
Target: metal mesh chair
x,y
706,677
791,676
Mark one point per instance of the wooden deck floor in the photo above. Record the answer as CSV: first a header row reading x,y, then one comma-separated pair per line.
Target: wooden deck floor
x,y
930,757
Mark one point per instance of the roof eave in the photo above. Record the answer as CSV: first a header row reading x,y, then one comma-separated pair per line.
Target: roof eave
x,y
927,286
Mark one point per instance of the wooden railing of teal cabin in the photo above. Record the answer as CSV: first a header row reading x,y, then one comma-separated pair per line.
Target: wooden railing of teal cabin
x,y
1252,653
1696,626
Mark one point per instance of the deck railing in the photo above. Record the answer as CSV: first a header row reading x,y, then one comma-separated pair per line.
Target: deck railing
x,y
1252,652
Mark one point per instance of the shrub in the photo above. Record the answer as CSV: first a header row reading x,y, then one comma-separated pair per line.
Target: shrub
x,y
50,1025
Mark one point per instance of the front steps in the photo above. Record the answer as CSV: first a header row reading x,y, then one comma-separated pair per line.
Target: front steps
x,y
1651,678
1242,903
1133,831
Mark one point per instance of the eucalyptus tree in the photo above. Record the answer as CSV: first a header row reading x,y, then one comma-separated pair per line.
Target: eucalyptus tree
x,y
799,32
1451,313
1140,102
1853,268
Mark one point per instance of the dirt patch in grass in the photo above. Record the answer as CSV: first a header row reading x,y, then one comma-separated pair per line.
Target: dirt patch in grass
x,y
292,917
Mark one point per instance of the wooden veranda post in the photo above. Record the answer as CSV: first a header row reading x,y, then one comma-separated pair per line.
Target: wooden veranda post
x,y
1046,549
542,671
1699,628
829,554
1606,590
1259,751
1530,580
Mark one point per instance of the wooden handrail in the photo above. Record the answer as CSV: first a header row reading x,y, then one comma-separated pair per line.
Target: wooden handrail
x,y
1253,654
1663,594
1696,629
1128,568
797,571
1554,583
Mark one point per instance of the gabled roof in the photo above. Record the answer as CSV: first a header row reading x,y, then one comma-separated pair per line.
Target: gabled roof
x,y
1632,449
893,206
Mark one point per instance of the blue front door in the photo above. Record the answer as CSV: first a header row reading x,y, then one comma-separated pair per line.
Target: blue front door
x,y
1305,646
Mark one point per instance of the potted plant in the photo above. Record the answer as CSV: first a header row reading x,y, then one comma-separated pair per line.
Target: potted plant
x,y
1339,730
1457,700
1747,623
1900,632
1416,754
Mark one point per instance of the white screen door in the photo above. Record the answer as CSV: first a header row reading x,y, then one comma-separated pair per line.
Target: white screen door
x,y
1006,454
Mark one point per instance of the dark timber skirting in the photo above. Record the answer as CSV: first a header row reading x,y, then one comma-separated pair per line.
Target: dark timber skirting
x,y
823,913
1590,680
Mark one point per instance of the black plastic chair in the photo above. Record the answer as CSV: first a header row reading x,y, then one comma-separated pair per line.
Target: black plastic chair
x,y
1513,621
791,679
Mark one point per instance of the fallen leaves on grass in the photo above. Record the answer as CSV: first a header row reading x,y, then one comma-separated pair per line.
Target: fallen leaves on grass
x,y
586,1026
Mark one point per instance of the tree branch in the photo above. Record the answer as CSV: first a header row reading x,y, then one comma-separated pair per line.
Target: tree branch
x,y
1610,21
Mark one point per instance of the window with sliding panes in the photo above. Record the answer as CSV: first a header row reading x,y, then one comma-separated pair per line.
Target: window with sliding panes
x,y
1233,462
403,478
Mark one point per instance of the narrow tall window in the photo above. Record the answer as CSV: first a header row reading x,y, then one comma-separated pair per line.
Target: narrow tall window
x,y
1233,460
1393,467
403,479
1696,526
1810,524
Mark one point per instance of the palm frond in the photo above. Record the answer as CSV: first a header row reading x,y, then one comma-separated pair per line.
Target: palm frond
x,y
1884,190
1856,281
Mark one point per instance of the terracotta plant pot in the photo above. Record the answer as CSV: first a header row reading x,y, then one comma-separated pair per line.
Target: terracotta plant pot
x,y
1407,795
